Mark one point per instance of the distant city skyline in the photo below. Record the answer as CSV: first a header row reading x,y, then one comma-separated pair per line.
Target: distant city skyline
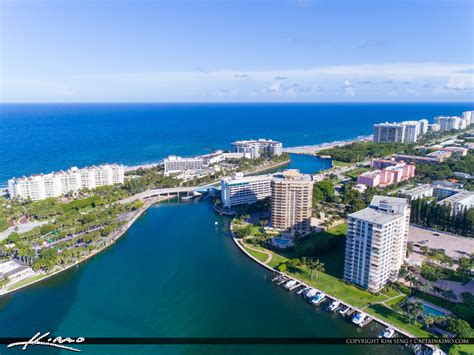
x,y
240,51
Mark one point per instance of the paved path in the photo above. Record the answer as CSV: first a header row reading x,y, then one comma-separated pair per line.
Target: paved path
x,y
269,255
383,302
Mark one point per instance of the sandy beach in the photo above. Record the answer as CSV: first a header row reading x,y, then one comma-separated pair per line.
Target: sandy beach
x,y
313,149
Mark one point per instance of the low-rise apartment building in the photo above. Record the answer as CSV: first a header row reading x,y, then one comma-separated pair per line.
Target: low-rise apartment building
x,y
255,148
40,186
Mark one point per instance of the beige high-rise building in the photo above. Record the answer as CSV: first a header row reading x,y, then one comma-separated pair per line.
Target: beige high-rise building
x,y
292,201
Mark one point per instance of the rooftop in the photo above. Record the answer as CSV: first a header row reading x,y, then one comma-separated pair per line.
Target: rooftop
x,y
375,216
11,267
461,196
292,175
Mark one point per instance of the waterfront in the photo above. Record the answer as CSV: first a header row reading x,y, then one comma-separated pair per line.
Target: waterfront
x,y
147,285
39,138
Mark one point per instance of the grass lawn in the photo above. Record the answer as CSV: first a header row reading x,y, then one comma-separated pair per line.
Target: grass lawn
x,y
25,282
356,172
340,163
331,283
260,256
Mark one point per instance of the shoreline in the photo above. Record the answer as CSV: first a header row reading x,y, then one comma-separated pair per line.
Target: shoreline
x,y
115,238
375,318
303,149
315,148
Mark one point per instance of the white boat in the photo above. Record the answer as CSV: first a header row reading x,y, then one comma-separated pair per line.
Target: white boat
x,y
333,306
359,318
318,298
290,284
388,333
344,310
303,290
216,223
310,293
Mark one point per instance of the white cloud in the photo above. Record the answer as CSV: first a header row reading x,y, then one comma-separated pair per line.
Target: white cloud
x,y
451,80
348,89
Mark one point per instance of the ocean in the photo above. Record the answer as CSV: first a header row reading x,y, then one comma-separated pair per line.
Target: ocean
x,y
40,138
175,273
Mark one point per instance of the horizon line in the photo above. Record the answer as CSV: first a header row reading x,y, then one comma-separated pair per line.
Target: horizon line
x,y
228,102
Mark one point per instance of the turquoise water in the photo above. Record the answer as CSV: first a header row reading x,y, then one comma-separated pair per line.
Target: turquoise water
x,y
174,273
432,311
37,138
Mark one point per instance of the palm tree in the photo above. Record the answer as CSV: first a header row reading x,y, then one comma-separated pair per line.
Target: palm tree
x,y
429,321
3,282
414,310
315,265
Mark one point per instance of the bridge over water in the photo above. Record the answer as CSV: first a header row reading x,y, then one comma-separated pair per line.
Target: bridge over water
x,y
177,191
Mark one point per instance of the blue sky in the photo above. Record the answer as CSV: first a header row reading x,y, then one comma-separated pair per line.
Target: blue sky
x,y
288,50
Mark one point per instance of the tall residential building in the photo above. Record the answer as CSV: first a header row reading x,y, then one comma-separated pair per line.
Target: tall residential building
x,y
412,131
469,117
389,132
41,186
447,123
175,164
376,242
398,132
434,127
255,148
245,190
292,201
423,126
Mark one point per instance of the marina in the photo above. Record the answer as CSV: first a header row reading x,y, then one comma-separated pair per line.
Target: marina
x,y
357,316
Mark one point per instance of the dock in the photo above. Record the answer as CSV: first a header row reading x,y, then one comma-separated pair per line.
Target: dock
x,y
280,275
366,321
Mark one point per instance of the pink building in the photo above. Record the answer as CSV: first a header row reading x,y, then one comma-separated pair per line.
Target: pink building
x,y
391,173
370,178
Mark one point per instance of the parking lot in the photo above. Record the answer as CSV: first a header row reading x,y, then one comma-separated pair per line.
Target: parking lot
x,y
455,247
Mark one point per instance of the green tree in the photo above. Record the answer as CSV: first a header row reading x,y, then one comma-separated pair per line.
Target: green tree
x,y
315,265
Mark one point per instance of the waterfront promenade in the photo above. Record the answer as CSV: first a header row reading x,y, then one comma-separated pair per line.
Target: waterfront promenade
x,y
263,264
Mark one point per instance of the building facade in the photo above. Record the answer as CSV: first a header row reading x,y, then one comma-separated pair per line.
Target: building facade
x,y
423,126
391,172
461,200
245,190
376,242
421,191
468,116
412,131
14,271
255,148
447,123
40,186
389,132
292,201
174,164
